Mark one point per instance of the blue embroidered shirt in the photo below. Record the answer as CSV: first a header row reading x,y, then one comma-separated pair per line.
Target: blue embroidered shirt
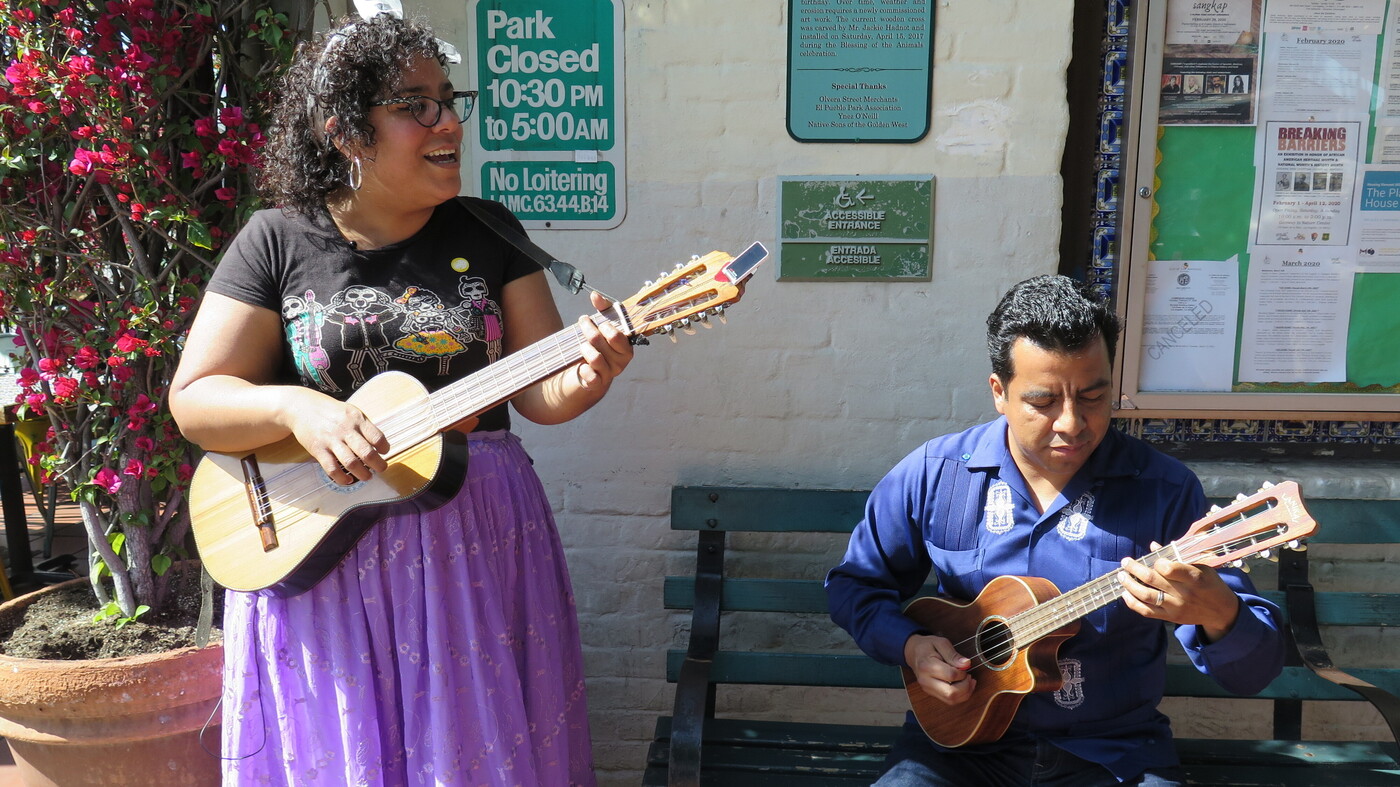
x,y
959,507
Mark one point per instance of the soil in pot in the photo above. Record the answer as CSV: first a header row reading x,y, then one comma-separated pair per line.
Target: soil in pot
x,y
60,625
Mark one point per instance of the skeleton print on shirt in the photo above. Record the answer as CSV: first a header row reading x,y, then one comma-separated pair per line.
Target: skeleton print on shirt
x,y
376,327
302,319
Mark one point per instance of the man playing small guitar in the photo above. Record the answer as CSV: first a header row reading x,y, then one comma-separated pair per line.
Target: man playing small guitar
x,y
1046,497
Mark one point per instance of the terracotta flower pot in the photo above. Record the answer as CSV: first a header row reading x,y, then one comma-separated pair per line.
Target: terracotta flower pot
x,y
122,721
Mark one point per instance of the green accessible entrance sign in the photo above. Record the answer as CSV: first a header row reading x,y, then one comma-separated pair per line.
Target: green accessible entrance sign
x,y
855,229
549,138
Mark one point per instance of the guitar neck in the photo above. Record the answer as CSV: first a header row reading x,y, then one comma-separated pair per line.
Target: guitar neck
x,y
498,382
1060,611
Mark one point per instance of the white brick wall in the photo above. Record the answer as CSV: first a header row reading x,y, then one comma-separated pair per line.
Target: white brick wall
x,y
818,385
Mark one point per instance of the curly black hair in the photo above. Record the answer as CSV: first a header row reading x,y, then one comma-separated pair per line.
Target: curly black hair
x,y
1054,313
337,74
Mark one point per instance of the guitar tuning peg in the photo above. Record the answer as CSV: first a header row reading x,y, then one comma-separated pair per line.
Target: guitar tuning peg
x,y
1300,546
1266,485
689,330
661,275
1241,496
1213,509
648,284
705,321
695,256
680,265
1273,558
672,334
1266,553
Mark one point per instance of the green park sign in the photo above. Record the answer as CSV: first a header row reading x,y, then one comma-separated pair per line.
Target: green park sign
x,y
549,137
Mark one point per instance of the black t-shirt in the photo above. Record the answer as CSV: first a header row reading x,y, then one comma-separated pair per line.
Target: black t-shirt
x,y
428,306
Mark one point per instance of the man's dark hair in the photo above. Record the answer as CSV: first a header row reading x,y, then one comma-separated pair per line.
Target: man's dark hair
x,y
1054,313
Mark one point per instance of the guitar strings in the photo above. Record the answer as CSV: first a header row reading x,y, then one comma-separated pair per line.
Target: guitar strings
x,y
1033,624
538,361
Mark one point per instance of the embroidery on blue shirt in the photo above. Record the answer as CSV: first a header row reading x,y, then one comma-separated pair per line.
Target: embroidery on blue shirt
x,y
1075,519
1001,511
1071,692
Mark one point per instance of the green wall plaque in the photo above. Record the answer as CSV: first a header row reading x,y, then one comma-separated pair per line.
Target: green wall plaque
x,y
855,229
859,70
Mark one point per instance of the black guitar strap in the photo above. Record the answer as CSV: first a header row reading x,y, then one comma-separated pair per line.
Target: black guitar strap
x,y
567,275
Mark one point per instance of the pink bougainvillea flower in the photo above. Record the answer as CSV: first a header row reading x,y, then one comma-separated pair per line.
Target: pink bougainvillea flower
x,y
86,358
65,389
108,480
143,405
129,344
48,367
231,117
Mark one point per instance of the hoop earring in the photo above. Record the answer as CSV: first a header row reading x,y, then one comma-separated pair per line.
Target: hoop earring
x,y
356,174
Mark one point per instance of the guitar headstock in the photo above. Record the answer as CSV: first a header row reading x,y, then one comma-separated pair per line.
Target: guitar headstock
x,y
1272,517
696,290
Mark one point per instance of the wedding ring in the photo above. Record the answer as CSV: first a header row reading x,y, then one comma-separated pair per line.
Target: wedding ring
x,y
1161,596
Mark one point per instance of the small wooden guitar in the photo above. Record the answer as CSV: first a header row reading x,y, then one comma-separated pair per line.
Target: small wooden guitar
x,y
1012,631
272,518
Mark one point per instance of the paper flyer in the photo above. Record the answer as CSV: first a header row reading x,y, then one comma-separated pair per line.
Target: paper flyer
x,y
1296,311
1189,325
1307,182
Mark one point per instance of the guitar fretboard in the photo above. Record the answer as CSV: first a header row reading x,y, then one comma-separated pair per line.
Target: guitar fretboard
x,y
480,391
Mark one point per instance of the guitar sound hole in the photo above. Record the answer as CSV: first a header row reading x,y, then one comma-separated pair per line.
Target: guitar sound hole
x,y
994,643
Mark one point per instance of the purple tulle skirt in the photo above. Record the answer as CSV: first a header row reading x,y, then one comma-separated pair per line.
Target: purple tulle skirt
x,y
443,651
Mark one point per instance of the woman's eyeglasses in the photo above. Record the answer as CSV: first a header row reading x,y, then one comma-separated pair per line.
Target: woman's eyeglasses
x,y
428,110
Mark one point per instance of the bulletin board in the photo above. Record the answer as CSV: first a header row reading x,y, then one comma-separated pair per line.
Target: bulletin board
x,y
1260,211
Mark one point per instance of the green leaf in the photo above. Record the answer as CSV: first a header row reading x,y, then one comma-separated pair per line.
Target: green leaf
x,y
199,235
161,564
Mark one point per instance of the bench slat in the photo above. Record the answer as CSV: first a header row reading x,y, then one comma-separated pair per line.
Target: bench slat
x,y
808,596
769,510
745,751
854,670
766,510
793,734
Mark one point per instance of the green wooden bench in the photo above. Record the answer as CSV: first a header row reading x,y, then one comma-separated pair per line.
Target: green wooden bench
x,y
693,747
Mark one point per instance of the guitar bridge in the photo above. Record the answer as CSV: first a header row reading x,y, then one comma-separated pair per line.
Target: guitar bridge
x,y
257,500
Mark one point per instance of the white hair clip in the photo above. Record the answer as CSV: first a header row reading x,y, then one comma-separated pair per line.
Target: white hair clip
x,y
368,9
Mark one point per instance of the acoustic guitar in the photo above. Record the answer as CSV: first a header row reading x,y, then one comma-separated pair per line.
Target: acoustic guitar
x,y
1012,631
272,518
